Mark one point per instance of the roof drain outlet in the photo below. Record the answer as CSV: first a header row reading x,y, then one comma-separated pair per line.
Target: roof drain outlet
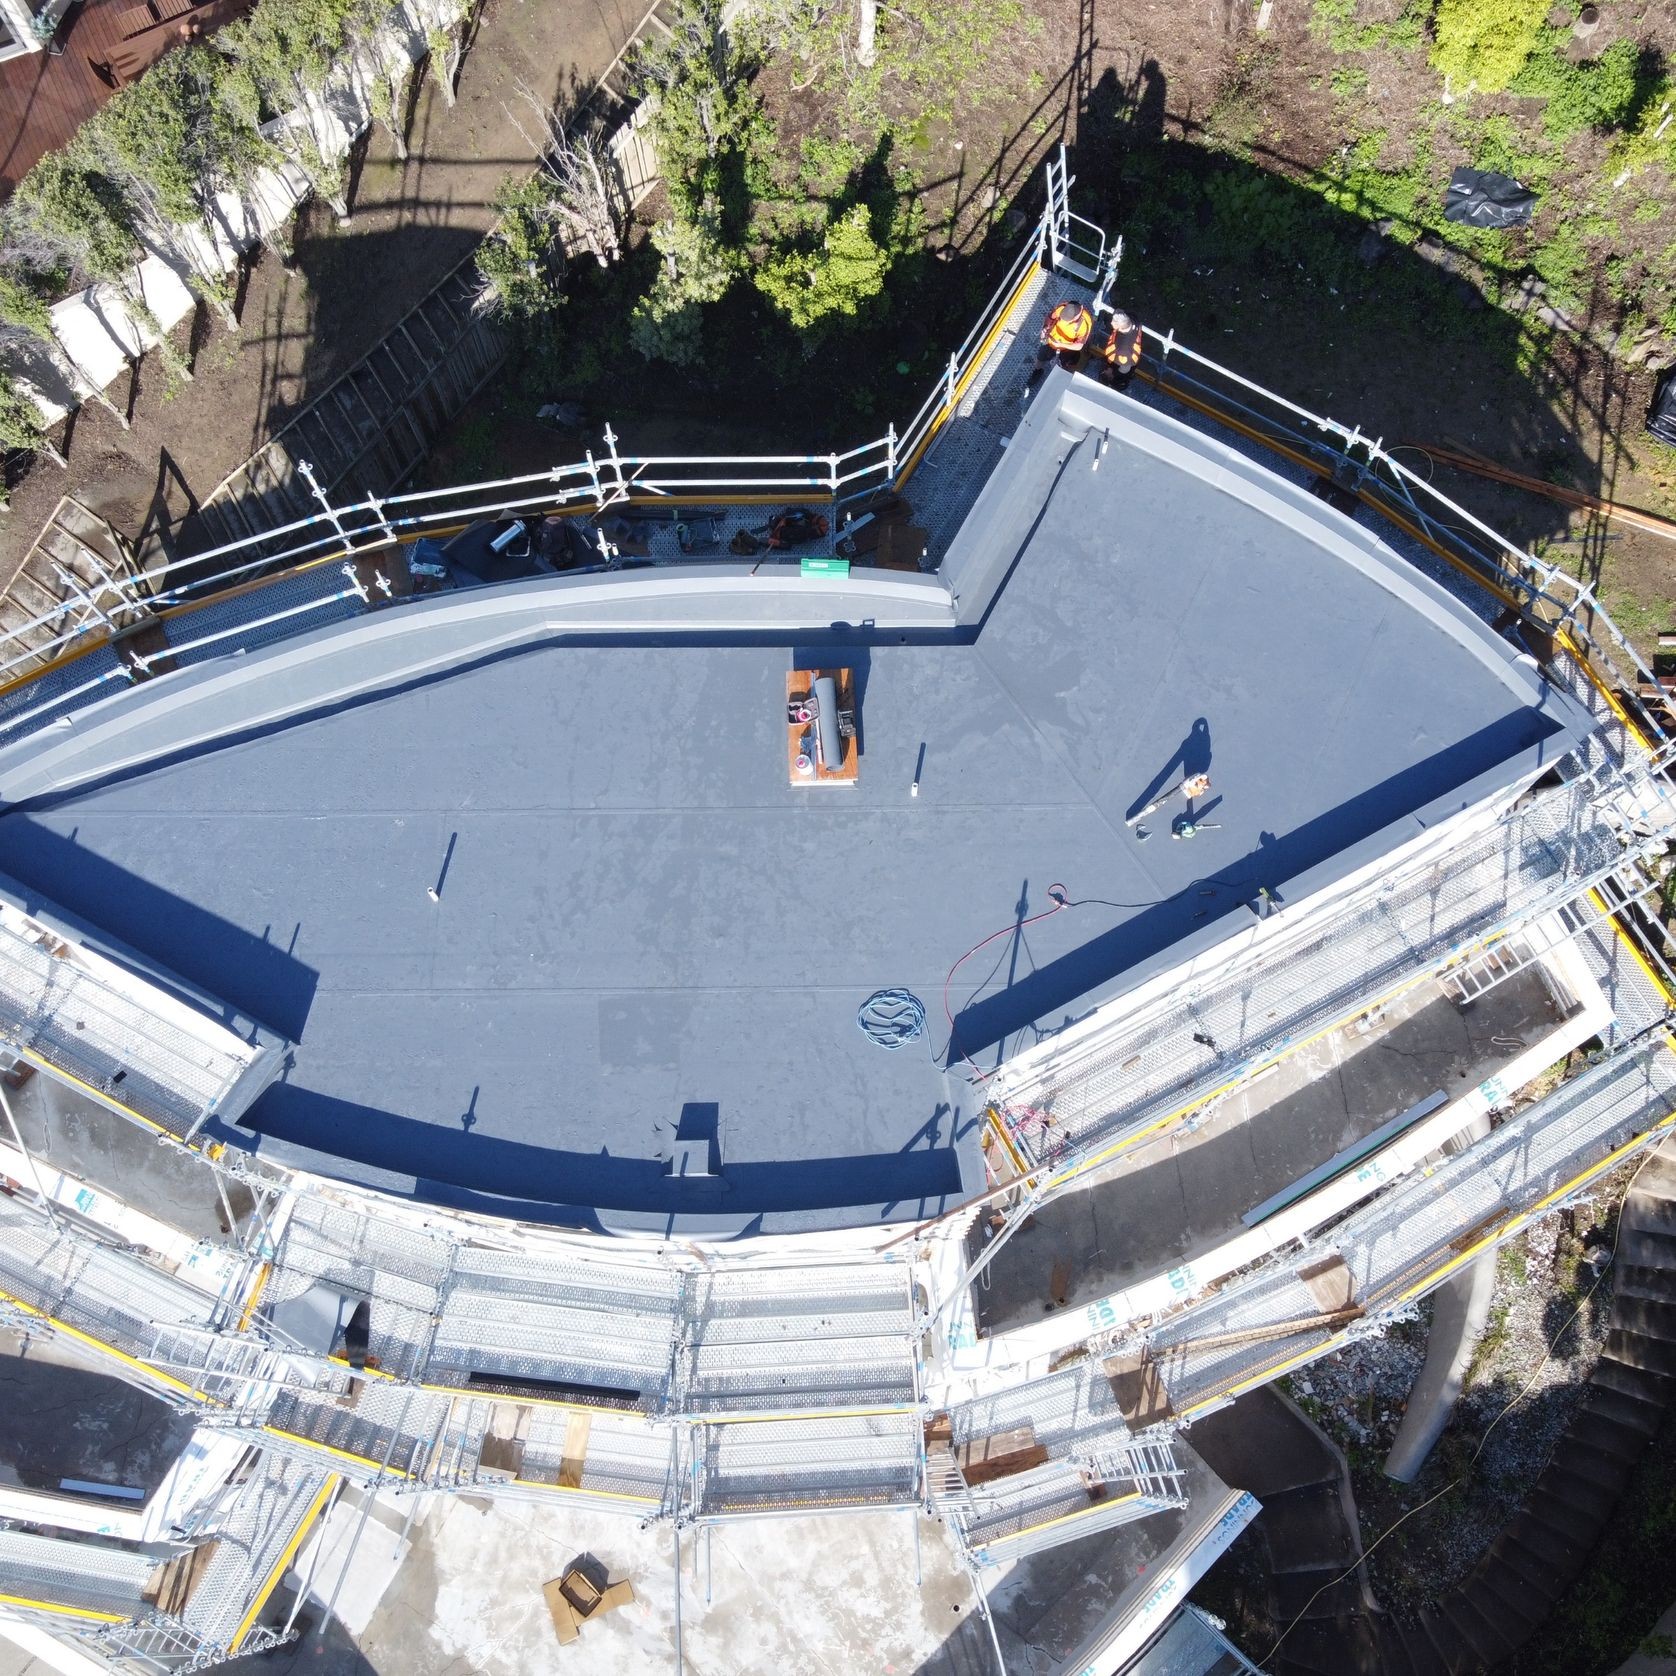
x,y
826,721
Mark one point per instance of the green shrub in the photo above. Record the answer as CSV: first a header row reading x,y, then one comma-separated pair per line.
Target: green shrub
x,y
667,323
1496,143
521,264
20,420
1483,44
1361,188
1652,135
1602,93
1334,21
712,138
1560,260
842,278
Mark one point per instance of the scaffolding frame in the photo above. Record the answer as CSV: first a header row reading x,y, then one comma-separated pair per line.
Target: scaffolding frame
x,y
712,1441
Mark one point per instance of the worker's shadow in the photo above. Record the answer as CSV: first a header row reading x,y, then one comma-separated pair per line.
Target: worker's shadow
x,y
1192,756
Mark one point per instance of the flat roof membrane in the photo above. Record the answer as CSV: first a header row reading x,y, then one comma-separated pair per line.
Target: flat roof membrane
x,y
647,945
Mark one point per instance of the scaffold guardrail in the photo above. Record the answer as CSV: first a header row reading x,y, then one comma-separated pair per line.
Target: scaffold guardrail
x,y
1413,1236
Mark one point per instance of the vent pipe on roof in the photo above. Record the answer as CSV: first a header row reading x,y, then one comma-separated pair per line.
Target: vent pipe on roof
x,y
826,721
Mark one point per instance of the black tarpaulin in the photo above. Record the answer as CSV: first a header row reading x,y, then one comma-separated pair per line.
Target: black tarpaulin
x,y
1481,198
1661,421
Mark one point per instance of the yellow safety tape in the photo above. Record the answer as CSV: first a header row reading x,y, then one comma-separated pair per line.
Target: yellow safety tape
x,y
965,379
100,1345
259,1286
1130,1141
339,1454
62,1611
98,1094
576,1490
1070,1518
999,1130
1433,1277
787,1414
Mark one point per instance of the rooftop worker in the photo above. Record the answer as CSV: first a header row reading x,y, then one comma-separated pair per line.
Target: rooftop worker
x,y
1065,333
1121,353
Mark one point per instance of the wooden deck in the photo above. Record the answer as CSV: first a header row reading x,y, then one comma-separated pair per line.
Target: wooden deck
x,y
44,100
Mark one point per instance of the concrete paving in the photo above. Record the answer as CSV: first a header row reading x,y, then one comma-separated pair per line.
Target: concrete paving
x,y
857,1595
15,1662
1184,1195
469,1597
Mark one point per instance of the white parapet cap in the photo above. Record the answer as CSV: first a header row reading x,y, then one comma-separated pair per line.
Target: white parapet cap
x,y
980,1360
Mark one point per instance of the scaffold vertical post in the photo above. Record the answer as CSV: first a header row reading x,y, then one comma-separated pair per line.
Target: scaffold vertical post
x,y
890,454
72,586
378,512
331,512
620,487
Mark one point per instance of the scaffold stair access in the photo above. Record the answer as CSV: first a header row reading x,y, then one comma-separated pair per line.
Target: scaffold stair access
x,y
112,1035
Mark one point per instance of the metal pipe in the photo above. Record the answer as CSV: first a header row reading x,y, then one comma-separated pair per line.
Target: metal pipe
x,y
245,628
988,1618
17,1136
675,1526
1021,1214
313,1561
370,1492
17,721
226,1203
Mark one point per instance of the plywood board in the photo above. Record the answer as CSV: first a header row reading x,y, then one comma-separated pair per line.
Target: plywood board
x,y
1139,1389
800,684
575,1450
1330,1283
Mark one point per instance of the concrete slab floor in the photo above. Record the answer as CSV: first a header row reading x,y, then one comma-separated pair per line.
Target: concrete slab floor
x,y
844,1595
72,1133
1184,1194
63,1420
833,1595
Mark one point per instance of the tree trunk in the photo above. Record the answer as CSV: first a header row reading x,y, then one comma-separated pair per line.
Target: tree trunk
x,y
50,449
444,66
866,32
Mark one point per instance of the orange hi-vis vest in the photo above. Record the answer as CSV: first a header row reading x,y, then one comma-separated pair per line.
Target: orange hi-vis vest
x,y
1067,328
1123,349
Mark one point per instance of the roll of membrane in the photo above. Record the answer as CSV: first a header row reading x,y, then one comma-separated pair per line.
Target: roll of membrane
x,y
826,722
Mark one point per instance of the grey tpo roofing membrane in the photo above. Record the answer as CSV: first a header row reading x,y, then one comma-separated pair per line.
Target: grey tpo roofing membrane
x,y
644,931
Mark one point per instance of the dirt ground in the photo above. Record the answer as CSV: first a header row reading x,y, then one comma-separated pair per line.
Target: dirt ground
x,y
1547,1325
412,223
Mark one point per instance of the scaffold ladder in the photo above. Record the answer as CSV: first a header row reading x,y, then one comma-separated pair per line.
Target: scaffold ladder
x,y
1074,244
